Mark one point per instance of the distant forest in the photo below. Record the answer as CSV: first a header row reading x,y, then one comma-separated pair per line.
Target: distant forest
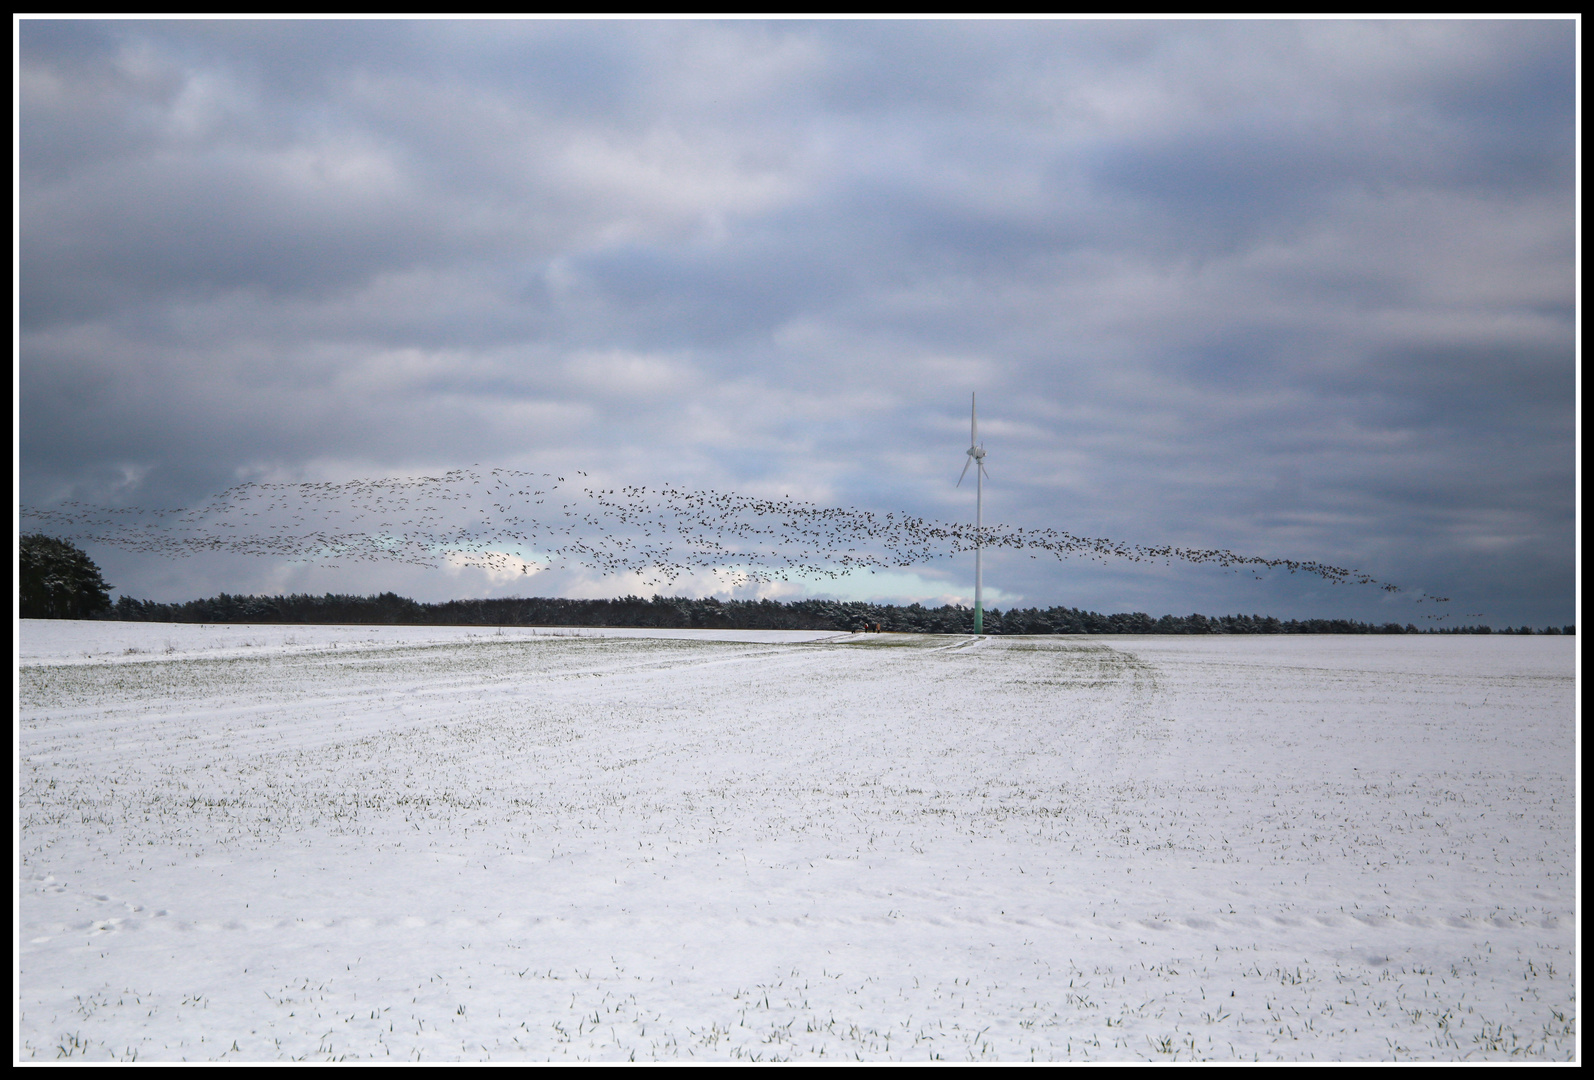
x,y
679,612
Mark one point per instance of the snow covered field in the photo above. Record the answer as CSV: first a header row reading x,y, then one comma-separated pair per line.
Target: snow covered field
x,y
256,843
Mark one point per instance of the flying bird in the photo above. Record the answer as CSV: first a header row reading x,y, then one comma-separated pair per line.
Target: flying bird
x,y
516,521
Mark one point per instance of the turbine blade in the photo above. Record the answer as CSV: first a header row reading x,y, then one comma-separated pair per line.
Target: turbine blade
x,y
964,473
974,424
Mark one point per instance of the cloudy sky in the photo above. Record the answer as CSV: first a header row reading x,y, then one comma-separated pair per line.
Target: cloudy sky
x,y
1299,289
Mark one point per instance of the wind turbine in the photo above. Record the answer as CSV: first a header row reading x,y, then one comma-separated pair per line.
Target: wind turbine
x,y
977,459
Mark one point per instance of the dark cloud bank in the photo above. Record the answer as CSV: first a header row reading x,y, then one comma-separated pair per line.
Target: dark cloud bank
x,y
1301,290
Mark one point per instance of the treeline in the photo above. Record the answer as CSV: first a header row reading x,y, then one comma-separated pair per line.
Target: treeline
x,y
679,612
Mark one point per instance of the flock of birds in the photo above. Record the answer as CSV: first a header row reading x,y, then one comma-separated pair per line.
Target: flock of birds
x,y
509,520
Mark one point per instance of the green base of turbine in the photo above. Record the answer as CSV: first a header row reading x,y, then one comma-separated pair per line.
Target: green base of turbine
x,y
979,619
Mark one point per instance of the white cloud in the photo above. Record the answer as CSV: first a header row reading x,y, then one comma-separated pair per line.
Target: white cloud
x,y
498,567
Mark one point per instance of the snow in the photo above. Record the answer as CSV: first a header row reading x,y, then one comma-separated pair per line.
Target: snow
x,y
64,641
443,843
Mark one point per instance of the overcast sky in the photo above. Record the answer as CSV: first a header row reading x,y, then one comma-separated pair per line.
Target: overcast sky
x,y
1299,289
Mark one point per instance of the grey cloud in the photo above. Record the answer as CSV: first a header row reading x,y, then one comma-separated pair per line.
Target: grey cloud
x,y
1177,260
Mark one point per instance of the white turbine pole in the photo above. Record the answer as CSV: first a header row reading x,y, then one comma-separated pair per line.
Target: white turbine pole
x,y
976,457
979,511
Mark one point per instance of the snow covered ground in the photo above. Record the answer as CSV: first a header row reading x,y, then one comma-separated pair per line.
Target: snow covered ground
x,y
257,843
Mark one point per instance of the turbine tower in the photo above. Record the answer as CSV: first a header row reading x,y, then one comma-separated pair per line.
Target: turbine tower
x,y
977,459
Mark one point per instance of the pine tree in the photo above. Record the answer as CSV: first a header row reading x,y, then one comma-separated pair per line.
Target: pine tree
x,y
59,580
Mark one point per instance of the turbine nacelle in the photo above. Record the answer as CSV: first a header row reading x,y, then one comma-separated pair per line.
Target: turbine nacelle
x,y
976,456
